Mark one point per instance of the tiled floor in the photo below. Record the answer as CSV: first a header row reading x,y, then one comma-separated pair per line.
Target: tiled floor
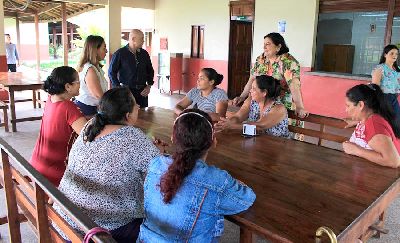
x,y
24,140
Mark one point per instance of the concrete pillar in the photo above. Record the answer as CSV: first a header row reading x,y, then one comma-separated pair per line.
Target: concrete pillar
x,y
64,32
18,36
3,59
37,42
113,32
114,26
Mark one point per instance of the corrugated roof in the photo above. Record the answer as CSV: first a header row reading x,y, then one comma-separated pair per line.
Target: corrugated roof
x,y
48,11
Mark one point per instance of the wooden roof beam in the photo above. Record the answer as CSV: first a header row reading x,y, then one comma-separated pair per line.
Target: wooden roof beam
x,y
48,8
94,2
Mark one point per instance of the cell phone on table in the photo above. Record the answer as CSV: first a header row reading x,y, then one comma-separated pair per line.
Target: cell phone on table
x,y
249,131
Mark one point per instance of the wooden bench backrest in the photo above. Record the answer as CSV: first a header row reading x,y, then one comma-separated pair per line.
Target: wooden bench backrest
x,y
328,128
3,105
27,189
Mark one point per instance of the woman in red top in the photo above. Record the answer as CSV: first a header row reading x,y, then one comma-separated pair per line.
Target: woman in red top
x,y
377,135
61,118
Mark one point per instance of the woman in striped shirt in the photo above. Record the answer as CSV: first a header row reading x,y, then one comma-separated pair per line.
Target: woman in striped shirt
x,y
206,96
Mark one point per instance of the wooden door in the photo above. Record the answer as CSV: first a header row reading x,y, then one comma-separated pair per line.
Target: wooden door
x,y
239,63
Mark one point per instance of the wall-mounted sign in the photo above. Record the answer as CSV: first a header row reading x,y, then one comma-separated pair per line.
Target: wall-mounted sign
x,y
282,26
164,43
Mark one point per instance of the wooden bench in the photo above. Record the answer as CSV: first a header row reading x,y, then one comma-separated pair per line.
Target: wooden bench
x,y
321,130
31,196
4,108
329,129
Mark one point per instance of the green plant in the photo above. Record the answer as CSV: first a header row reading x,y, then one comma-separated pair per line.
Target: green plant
x,y
85,31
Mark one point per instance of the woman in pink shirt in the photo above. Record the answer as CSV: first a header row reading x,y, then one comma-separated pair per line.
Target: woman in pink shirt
x,y
377,135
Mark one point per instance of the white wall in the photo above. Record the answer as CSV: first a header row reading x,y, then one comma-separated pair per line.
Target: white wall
x,y
174,18
2,42
27,31
301,20
137,18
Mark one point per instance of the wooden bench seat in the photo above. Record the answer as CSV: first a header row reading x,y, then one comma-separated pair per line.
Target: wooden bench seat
x,y
28,192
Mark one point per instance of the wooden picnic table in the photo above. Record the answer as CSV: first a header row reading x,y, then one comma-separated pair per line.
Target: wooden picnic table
x,y
19,82
299,186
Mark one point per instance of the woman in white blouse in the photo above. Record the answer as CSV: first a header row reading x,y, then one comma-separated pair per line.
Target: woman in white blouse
x,y
91,75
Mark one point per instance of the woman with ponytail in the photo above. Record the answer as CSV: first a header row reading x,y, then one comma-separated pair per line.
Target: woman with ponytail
x,y
377,135
61,120
206,96
185,199
262,109
107,166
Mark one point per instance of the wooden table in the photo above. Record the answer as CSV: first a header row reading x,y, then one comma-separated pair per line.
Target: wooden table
x,y
19,82
299,186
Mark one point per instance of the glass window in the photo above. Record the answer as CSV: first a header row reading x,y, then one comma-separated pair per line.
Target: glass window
x,y
350,42
396,34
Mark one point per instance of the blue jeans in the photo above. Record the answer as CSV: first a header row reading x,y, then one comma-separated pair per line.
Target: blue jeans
x,y
392,99
127,233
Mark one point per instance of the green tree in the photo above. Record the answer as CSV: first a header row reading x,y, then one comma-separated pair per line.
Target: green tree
x,y
85,31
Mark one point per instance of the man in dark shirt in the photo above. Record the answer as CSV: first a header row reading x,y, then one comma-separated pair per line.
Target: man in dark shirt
x,y
131,66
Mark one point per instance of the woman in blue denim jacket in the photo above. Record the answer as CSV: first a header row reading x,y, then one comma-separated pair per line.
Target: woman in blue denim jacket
x,y
185,199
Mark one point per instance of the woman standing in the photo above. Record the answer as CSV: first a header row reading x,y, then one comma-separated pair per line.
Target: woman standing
x,y
91,74
276,61
61,120
387,76
206,96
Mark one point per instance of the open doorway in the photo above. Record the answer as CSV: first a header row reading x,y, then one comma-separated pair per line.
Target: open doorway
x,y
240,45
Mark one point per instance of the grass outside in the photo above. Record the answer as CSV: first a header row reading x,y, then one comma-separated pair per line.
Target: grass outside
x,y
49,65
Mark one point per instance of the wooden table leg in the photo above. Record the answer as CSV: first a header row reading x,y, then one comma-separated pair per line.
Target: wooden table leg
x,y
245,235
12,110
34,98
39,99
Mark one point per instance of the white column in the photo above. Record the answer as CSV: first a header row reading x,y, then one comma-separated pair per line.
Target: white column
x,y
3,60
113,32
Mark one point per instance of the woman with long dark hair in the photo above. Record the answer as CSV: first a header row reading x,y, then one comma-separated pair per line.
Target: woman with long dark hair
x,y
107,166
377,135
387,76
186,199
206,96
61,121
93,82
262,109
276,61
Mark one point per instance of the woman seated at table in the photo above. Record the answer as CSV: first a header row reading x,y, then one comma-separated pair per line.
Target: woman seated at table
x,y
93,82
206,96
61,120
262,108
185,198
107,166
377,135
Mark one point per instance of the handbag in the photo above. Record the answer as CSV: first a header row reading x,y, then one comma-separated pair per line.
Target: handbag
x,y
94,231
